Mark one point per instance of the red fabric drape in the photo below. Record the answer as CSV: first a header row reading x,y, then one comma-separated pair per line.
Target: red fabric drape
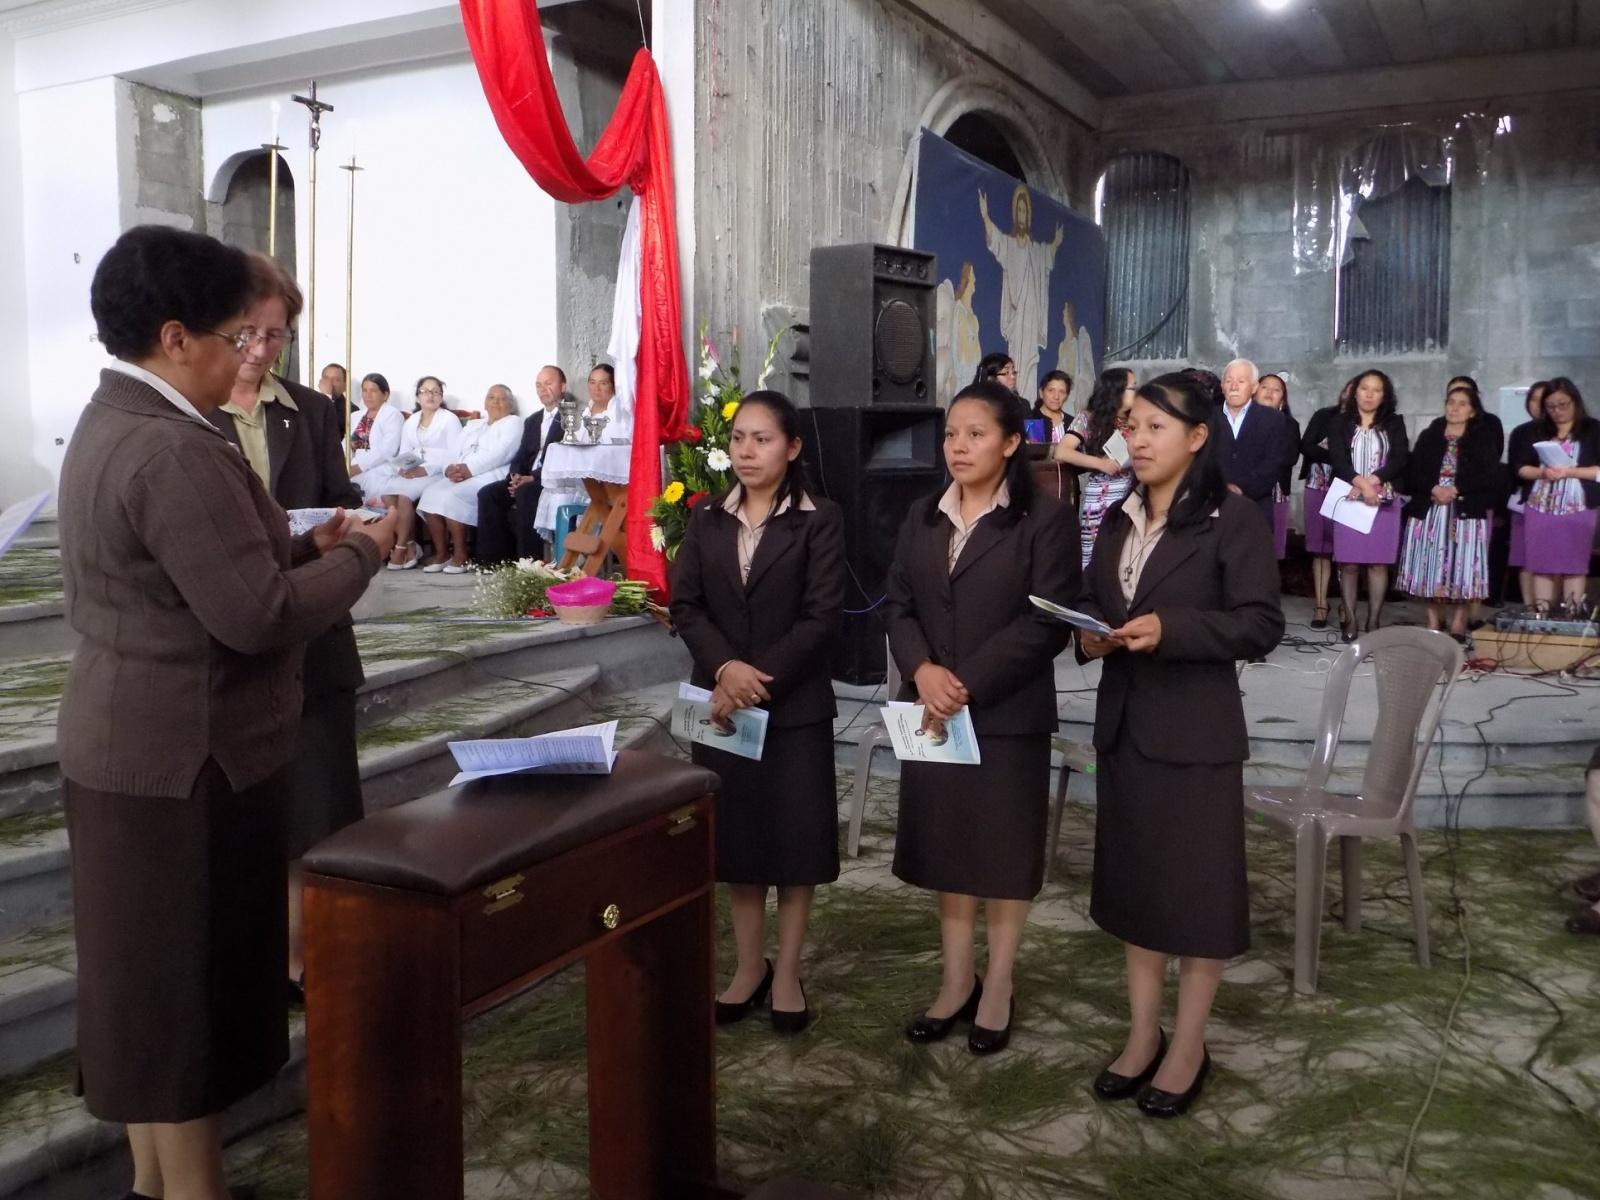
x,y
508,48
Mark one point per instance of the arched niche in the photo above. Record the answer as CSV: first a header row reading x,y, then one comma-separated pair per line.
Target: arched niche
x,y
239,202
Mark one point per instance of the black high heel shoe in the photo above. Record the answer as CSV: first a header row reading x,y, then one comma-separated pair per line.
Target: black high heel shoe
x,y
1153,1102
923,1028
788,1021
982,1040
728,1013
1108,1085
1349,631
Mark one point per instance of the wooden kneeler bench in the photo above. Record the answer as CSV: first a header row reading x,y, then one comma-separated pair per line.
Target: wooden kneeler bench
x,y
430,912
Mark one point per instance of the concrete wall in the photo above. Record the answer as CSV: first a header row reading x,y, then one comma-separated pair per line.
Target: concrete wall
x,y
806,113
158,157
1525,258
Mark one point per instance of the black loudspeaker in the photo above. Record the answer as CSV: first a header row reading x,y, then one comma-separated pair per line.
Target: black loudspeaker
x,y
872,326
872,462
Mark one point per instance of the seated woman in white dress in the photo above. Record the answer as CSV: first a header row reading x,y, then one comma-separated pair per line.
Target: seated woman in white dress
x,y
376,436
450,504
431,434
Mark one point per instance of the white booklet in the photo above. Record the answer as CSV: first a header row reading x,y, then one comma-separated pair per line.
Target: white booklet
x,y
1116,448
1349,510
1551,454
404,462
956,744
745,734
17,517
587,750
304,520
1078,620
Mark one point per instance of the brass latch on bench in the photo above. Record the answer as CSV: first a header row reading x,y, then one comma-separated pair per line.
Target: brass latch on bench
x,y
682,821
502,895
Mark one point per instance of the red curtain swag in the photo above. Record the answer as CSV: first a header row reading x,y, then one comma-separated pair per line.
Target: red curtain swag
x,y
508,47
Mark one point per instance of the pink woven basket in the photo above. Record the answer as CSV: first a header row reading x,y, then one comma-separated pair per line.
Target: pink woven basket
x,y
583,601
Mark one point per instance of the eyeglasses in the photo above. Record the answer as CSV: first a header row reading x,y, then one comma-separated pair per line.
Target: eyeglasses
x,y
248,336
1558,405
429,391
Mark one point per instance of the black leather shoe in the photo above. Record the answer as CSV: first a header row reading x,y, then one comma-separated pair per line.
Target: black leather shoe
x,y
991,1041
1153,1102
297,992
1587,888
727,1013
1108,1085
923,1028
787,1021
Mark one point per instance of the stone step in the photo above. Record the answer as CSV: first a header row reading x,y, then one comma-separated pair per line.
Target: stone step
x,y
403,758
426,657
42,534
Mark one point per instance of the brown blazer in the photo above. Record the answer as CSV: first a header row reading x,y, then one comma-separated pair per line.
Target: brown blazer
x,y
1215,588
782,621
305,461
976,620
179,579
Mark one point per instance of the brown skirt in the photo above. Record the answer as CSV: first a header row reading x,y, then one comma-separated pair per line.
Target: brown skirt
x,y
181,921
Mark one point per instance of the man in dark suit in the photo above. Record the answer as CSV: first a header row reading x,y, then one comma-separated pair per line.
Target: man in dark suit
x,y
507,507
1255,444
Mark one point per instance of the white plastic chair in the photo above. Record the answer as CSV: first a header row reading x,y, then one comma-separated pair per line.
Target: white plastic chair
x,y
872,737
1415,669
1075,756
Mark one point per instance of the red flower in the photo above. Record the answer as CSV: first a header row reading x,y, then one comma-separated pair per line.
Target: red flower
x,y
695,498
692,433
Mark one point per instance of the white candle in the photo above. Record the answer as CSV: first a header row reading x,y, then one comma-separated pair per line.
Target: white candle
x,y
276,109
354,127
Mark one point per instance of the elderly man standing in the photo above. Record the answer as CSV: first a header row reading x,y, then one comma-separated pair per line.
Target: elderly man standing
x,y
507,508
1254,442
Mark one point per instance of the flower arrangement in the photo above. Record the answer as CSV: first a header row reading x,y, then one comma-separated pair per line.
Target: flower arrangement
x,y
698,464
520,589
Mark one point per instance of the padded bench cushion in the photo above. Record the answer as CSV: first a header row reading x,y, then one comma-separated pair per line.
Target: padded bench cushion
x,y
465,837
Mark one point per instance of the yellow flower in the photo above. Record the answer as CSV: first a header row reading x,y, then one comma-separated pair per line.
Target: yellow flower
x,y
728,409
674,492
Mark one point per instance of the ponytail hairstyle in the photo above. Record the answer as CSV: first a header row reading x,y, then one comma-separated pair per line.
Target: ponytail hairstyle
x,y
1202,489
378,381
1284,384
990,366
794,486
1002,404
1105,402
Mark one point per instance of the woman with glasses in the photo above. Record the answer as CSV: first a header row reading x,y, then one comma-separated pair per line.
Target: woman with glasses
x,y
179,718
376,436
1105,480
428,443
1000,368
1559,517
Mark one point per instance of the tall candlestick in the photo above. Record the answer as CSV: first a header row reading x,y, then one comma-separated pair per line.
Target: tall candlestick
x,y
314,110
350,291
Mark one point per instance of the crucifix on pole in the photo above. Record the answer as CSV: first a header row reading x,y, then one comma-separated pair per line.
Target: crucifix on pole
x,y
314,110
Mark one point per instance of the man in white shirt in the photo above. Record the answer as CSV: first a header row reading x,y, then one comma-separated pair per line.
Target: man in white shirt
x,y
507,508
1254,442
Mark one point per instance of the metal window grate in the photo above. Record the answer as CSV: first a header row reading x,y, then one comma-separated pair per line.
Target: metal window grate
x,y
1144,210
1394,293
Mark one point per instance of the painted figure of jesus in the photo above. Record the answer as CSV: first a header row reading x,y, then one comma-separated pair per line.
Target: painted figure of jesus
x,y
1025,267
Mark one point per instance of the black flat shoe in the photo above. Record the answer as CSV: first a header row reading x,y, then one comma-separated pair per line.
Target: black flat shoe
x,y
728,1013
923,1028
297,992
787,1021
1108,1085
1153,1102
981,1040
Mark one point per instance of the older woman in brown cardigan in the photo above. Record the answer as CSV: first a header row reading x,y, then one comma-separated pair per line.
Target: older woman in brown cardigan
x,y
179,719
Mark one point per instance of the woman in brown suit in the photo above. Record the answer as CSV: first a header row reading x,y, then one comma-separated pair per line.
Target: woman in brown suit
x,y
965,636
757,589
1184,572
179,717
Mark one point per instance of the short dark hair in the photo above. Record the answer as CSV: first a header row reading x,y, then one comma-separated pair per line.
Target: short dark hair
x,y
268,279
1049,378
562,375
339,367
1001,402
611,372
154,274
1202,490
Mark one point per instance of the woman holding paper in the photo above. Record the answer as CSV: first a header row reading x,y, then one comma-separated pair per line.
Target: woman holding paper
x,y
965,636
1185,575
1368,449
430,436
757,590
1454,480
1106,480
1563,465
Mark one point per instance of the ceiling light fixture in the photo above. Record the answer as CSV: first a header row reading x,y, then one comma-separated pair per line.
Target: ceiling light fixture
x,y
1275,5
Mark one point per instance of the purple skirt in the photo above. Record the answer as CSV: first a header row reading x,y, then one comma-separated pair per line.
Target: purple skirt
x,y
1319,530
1559,545
1518,556
1280,528
1380,548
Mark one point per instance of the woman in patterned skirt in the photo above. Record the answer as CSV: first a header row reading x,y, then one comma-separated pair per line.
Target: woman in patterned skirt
x,y
1105,481
1368,449
1564,500
1453,480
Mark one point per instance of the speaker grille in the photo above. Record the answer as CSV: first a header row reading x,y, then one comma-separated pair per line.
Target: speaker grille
x,y
897,341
